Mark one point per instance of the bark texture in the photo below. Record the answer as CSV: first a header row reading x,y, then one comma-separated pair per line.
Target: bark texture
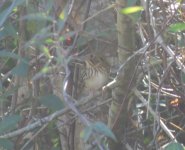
x,y
118,112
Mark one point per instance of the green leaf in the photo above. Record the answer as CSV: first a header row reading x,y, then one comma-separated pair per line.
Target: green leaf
x,y
53,102
62,19
9,123
177,27
10,91
8,30
179,1
9,54
38,17
86,133
131,10
6,144
4,94
98,127
62,15
21,69
43,71
4,15
49,41
46,51
102,128
174,146
131,2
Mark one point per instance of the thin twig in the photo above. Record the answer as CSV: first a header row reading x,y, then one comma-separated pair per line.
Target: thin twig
x,y
46,119
156,117
98,13
35,135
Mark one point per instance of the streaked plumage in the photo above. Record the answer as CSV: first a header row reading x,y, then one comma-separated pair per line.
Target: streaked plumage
x,y
94,74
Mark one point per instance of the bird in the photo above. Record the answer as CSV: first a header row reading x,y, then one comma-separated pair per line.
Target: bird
x,y
94,74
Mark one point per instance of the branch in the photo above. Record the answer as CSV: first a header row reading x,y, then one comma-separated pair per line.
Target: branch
x,y
156,117
46,119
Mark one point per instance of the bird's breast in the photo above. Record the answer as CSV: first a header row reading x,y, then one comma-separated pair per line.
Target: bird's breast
x,y
96,81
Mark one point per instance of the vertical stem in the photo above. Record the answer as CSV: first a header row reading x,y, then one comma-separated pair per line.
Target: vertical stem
x,y
21,53
126,46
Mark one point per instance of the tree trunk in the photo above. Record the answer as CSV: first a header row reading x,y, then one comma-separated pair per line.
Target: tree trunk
x,y
118,117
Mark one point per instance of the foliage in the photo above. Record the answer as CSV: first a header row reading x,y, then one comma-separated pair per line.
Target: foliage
x,y
130,10
97,127
42,44
9,122
6,144
177,27
52,102
176,146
